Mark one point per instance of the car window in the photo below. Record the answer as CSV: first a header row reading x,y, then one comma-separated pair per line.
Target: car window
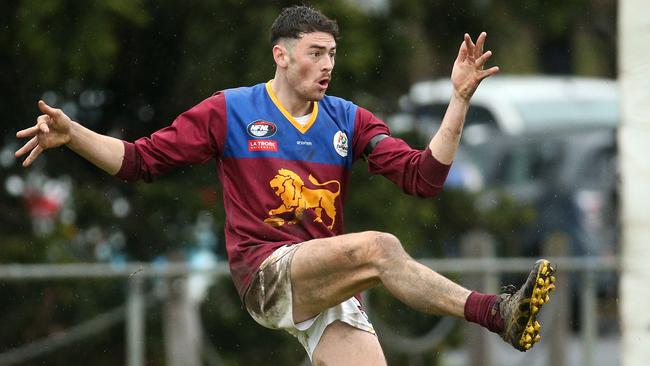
x,y
525,164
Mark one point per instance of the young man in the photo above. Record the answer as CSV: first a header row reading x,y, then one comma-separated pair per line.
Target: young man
x,y
284,151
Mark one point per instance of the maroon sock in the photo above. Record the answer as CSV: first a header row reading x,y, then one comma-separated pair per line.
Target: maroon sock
x,y
479,310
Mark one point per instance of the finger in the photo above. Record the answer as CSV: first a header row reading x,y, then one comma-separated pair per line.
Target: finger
x,y
43,118
32,131
33,155
28,146
470,45
462,52
52,112
480,42
43,127
483,59
28,132
489,72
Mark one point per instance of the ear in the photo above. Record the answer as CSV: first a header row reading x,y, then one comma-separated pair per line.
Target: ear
x,y
281,55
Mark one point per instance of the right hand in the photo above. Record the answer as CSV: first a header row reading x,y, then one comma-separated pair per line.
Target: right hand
x,y
52,129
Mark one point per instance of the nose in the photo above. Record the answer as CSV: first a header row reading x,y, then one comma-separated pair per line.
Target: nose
x,y
328,64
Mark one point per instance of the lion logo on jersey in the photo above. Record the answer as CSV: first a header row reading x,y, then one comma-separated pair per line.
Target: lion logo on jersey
x,y
296,198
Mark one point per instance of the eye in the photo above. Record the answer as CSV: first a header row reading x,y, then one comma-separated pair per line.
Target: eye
x,y
316,54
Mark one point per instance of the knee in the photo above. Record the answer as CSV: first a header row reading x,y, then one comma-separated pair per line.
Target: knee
x,y
372,249
385,248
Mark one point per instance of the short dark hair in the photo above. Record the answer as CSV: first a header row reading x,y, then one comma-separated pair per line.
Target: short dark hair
x,y
299,19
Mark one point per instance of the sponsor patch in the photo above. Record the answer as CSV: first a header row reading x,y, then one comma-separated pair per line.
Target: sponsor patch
x,y
341,143
262,145
261,129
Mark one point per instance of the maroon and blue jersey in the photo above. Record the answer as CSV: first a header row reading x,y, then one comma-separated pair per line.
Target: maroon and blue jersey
x,y
283,182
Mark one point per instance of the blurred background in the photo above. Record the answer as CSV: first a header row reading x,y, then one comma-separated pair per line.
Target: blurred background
x,y
96,271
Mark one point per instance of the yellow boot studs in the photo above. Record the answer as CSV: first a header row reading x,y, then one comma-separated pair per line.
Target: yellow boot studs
x,y
519,309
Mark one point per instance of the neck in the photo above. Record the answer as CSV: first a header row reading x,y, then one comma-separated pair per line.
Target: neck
x,y
289,99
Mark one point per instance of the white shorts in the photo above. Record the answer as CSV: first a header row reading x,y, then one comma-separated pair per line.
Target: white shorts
x,y
268,301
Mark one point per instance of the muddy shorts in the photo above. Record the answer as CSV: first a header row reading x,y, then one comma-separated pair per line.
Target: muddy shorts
x,y
268,301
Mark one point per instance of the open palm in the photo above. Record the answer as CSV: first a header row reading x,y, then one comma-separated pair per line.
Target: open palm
x,y
468,71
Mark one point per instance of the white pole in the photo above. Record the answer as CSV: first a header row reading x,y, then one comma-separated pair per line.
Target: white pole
x,y
135,323
182,326
634,153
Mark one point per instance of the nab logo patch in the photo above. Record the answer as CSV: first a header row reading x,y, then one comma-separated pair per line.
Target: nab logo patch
x,y
261,129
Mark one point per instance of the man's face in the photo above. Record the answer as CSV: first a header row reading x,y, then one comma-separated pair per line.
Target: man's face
x,y
311,60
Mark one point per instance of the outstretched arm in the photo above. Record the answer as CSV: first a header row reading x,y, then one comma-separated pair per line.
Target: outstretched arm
x,y
54,128
467,74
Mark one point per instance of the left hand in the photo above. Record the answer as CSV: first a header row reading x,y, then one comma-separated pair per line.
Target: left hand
x,y
52,129
468,70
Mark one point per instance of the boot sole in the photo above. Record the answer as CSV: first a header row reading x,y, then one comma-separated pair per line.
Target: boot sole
x,y
544,285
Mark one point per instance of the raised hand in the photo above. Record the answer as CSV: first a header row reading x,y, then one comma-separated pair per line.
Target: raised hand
x,y
52,129
468,71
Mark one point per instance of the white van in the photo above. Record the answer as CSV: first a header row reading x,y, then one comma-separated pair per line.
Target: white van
x,y
546,142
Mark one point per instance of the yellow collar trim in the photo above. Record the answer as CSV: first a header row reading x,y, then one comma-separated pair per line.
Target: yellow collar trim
x,y
288,116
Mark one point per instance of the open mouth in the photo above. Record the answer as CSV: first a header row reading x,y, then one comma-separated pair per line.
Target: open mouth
x,y
324,83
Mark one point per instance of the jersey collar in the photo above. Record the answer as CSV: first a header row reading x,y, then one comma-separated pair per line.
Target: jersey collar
x,y
287,115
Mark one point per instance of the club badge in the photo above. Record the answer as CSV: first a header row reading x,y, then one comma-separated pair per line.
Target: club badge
x,y
341,143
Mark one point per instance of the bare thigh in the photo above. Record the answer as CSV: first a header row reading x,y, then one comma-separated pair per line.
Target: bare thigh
x,y
325,272
342,344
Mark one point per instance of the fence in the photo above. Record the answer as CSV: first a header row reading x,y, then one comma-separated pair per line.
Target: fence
x,y
480,273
